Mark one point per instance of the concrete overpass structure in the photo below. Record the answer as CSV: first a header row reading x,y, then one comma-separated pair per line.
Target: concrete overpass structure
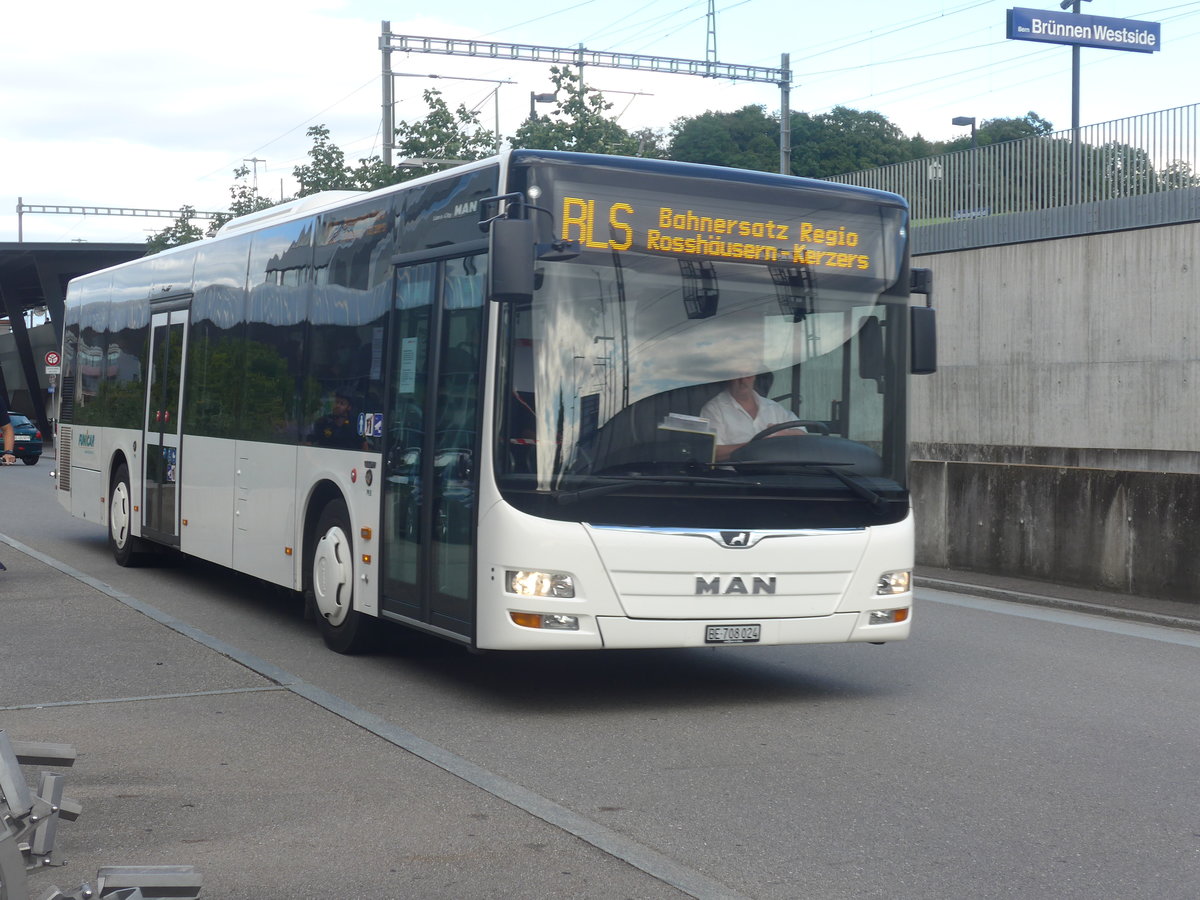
x,y
34,276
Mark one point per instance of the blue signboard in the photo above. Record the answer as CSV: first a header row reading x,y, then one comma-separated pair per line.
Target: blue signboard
x,y
1084,31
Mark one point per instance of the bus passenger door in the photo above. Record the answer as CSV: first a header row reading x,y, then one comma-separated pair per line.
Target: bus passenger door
x,y
160,444
432,443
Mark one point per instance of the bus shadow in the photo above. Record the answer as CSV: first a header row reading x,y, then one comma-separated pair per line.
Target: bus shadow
x,y
589,680
562,681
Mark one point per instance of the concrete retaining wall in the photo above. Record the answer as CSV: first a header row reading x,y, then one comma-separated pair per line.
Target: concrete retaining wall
x,y
1059,438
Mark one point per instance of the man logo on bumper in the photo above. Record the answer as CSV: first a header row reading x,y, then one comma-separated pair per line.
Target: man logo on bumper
x,y
736,584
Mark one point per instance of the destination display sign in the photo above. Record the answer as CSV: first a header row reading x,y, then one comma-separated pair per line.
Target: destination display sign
x,y
1084,31
834,240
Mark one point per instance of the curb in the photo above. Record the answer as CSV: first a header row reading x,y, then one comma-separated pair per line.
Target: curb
x,y
1096,609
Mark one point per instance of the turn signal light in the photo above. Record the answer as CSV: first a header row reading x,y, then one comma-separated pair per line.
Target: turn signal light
x,y
888,616
549,621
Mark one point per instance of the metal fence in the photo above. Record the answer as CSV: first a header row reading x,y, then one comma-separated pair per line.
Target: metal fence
x,y
1126,173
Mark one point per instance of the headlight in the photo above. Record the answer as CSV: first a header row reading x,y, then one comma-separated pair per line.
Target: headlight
x,y
894,583
539,584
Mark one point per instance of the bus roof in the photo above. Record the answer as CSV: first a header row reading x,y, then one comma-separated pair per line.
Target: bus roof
x,y
326,200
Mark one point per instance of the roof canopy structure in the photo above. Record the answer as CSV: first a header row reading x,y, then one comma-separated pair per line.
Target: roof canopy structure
x,y
35,276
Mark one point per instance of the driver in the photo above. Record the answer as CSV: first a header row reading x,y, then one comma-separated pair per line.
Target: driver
x,y
739,413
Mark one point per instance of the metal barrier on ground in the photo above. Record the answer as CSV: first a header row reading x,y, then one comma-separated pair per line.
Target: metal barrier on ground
x,y
29,835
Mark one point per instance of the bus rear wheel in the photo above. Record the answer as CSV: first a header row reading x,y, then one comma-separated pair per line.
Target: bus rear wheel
x,y
329,583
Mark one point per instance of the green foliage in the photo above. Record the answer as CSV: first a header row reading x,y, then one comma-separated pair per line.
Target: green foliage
x,y
745,139
845,140
268,393
238,388
997,131
181,231
122,402
327,169
443,134
1177,174
244,199
578,122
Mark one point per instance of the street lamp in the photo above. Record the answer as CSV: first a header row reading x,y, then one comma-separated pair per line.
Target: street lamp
x,y
966,120
539,98
974,198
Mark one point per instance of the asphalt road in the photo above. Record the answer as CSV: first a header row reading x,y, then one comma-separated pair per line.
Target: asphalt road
x,y
1006,750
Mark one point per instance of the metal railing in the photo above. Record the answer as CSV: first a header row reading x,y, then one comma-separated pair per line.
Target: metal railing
x,y
1126,173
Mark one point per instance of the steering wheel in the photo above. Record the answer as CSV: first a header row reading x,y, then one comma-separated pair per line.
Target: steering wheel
x,y
772,429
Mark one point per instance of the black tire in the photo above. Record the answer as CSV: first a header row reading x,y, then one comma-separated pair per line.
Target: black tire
x,y
329,583
30,460
127,549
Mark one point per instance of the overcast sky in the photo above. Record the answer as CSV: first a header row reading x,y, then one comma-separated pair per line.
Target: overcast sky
x,y
150,104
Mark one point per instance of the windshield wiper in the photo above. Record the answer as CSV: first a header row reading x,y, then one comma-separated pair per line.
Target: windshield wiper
x,y
876,500
621,482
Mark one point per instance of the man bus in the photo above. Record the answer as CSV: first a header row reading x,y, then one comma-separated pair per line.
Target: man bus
x,y
471,404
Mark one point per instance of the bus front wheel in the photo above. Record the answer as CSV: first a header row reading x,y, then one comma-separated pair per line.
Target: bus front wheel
x,y
329,583
125,547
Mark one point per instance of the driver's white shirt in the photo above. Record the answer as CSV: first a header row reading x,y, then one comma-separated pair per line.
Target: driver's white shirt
x,y
736,426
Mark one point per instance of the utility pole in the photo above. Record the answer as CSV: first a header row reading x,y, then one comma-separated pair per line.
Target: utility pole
x,y
389,100
1073,5
710,43
254,161
579,57
785,115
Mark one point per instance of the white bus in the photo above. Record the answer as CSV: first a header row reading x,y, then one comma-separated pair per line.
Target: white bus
x,y
478,404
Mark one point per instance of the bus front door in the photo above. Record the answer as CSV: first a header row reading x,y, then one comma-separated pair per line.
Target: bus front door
x,y
432,443
160,444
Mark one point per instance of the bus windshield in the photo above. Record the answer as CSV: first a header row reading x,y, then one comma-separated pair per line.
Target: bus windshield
x,y
621,365
706,339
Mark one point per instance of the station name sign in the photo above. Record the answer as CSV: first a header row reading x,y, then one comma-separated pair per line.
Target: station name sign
x,y
1083,31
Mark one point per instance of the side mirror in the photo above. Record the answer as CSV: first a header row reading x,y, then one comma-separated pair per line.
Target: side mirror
x,y
510,259
923,328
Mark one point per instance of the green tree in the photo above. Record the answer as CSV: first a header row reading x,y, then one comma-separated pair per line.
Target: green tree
x,y
846,140
443,134
244,199
745,139
181,231
842,140
577,123
327,169
1177,174
998,131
